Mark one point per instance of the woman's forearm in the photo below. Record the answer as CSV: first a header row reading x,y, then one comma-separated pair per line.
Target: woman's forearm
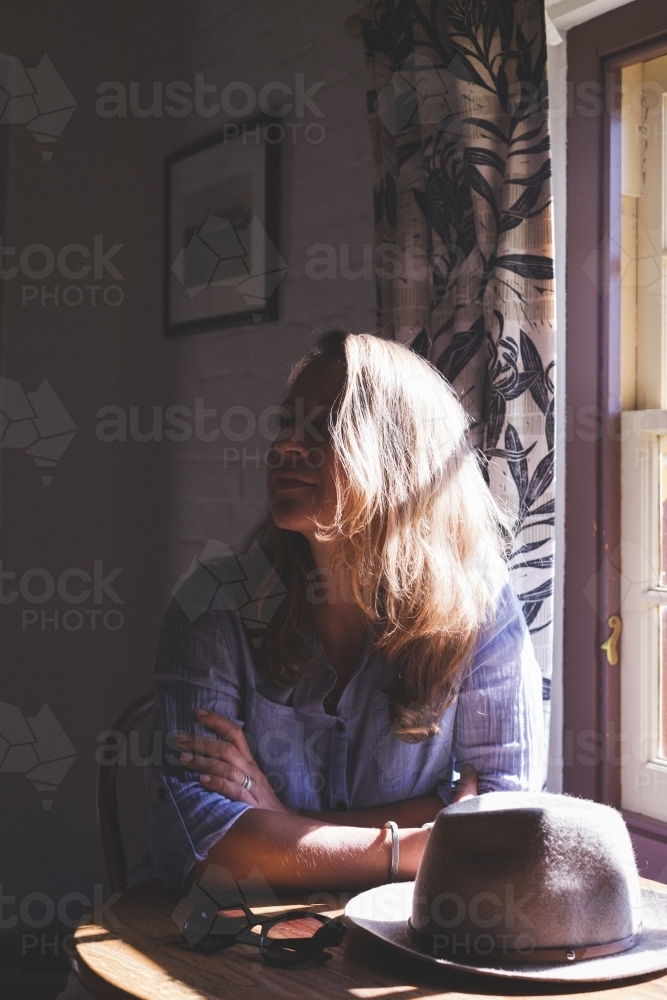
x,y
410,813
294,852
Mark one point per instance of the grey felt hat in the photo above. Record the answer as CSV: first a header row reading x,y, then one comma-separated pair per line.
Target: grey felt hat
x,y
529,886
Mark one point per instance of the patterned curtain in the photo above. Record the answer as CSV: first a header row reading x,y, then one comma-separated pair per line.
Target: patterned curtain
x,y
457,103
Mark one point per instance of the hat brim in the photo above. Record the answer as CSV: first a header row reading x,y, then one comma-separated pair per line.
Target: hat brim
x,y
384,911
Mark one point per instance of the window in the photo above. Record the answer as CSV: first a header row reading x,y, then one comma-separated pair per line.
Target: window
x,y
643,383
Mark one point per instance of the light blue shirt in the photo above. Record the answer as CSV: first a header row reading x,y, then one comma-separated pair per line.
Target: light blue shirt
x,y
316,761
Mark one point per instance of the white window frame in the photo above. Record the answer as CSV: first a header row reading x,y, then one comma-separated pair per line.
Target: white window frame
x,y
644,399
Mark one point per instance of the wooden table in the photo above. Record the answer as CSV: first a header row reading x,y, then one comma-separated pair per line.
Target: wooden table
x,y
136,951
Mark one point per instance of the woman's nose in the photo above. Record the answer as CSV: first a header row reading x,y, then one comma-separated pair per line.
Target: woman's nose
x,y
288,443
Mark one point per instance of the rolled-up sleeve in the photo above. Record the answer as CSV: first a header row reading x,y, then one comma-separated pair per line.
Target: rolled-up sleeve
x,y
195,668
498,722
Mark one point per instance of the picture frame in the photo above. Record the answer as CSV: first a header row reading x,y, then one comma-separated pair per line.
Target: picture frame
x,y
222,265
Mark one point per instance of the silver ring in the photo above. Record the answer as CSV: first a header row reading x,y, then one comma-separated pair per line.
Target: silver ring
x,y
247,783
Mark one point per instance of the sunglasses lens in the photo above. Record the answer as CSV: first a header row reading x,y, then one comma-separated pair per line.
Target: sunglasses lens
x,y
302,927
300,939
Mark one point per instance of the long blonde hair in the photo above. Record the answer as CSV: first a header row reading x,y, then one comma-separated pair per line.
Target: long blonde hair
x,y
420,537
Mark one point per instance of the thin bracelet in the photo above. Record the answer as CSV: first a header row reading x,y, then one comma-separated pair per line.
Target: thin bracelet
x,y
390,825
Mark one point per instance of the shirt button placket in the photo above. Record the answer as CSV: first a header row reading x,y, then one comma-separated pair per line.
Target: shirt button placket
x,y
339,783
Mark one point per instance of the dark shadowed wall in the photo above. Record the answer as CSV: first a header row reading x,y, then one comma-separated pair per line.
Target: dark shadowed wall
x,y
133,514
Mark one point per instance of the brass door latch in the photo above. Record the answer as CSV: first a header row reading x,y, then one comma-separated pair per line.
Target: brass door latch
x,y
611,645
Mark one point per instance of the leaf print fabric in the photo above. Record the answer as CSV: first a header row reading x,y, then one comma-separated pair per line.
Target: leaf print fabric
x,y
458,112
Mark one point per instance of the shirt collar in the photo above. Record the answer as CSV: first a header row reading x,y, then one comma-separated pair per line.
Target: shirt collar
x,y
319,678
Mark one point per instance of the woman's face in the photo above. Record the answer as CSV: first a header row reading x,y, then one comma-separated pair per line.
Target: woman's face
x,y
300,482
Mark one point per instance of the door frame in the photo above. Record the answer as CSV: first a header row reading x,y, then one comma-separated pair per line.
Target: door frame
x,y
597,50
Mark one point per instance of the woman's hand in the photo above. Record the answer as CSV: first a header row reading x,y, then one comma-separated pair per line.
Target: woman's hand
x,y
466,786
225,763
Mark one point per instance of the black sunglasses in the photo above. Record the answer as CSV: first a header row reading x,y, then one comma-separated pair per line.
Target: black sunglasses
x,y
285,939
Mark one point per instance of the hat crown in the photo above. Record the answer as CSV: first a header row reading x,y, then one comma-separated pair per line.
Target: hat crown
x,y
515,870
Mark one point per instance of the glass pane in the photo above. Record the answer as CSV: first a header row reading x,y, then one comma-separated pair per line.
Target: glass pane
x,y
662,749
662,514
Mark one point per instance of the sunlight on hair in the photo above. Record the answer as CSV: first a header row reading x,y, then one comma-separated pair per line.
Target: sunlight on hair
x,y
420,536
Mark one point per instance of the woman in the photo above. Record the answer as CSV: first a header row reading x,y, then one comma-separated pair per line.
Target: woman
x,y
394,657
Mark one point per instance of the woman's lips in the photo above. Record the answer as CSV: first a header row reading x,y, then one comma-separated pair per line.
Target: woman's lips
x,y
291,483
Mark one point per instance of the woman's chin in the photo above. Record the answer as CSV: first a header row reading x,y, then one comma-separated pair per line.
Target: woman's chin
x,y
288,517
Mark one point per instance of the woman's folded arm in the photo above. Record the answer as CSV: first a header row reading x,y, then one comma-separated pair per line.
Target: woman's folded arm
x,y
411,813
296,852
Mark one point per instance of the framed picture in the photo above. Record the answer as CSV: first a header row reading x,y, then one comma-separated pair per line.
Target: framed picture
x,y
222,260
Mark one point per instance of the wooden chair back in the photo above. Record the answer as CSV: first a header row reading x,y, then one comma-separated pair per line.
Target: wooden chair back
x,y
108,819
